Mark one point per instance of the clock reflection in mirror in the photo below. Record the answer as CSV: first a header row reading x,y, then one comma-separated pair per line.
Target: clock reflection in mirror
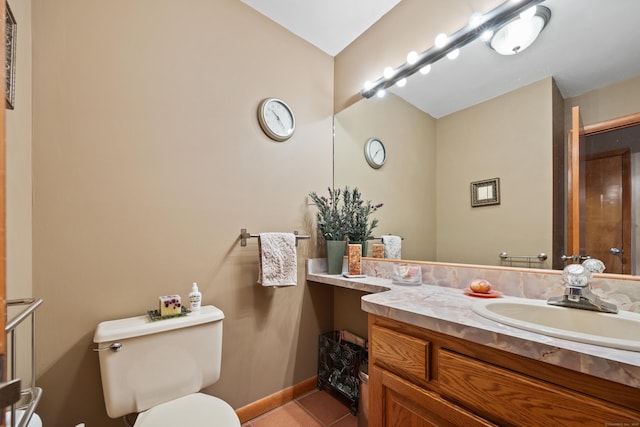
x,y
375,153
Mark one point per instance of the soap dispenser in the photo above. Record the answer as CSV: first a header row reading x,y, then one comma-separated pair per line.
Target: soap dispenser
x,y
195,297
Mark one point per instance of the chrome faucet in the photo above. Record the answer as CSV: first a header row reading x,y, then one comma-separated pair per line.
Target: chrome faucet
x,y
577,292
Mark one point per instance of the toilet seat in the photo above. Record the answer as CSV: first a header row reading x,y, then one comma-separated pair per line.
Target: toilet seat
x,y
193,410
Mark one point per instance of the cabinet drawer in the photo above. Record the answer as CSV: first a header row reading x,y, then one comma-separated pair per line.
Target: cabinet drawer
x,y
508,397
400,353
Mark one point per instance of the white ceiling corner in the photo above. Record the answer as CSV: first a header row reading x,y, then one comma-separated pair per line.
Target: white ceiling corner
x,y
330,25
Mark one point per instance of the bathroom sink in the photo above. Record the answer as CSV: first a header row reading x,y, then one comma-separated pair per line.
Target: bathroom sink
x,y
620,330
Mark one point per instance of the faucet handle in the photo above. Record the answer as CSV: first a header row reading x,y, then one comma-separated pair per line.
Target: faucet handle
x,y
576,275
594,265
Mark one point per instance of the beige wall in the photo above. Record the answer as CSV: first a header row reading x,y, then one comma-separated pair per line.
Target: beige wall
x,y
347,313
18,187
406,182
616,100
148,160
18,152
508,137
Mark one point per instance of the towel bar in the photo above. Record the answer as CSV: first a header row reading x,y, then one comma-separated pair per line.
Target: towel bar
x,y
244,235
541,257
380,237
30,396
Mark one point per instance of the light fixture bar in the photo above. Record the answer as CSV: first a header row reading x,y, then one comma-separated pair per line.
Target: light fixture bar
x,y
491,20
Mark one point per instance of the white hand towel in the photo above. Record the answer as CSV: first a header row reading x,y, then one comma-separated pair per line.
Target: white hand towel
x,y
278,264
392,247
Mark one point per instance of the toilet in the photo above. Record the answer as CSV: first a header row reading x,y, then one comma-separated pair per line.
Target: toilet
x,y
157,369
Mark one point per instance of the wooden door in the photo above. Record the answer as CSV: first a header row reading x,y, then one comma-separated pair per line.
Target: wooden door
x,y
607,209
577,193
576,188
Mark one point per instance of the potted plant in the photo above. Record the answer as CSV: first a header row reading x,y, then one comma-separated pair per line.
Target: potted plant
x,y
358,223
331,220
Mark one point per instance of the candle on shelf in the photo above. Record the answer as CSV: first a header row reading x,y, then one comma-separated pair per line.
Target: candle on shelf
x,y
355,259
378,250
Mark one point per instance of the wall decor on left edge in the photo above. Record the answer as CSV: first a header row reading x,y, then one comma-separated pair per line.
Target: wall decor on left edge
x,y
11,32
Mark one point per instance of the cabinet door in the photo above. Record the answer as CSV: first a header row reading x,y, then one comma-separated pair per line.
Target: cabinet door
x,y
408,405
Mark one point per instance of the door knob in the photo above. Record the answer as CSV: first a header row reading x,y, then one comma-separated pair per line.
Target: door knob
x,y
616,251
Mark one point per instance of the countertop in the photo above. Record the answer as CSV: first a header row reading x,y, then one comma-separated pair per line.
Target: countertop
x,y
448,310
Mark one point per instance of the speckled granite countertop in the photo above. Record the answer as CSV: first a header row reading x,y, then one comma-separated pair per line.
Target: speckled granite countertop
x,y
448,310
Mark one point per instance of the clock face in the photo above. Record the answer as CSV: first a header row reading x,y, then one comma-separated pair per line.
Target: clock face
x,y
276,119
375,153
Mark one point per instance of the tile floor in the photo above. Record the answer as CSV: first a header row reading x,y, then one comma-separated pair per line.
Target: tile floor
x,y
314,409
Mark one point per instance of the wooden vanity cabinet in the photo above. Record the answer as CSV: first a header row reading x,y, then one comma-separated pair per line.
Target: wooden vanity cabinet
x,y
422,378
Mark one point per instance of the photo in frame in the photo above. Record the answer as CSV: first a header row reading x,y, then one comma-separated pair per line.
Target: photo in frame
x,y
485,193
11,32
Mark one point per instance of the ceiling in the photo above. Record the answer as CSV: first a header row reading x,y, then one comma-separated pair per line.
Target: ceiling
x,y
330,25
586,45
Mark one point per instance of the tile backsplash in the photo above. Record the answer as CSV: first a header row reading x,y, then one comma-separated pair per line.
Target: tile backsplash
x,y
524,283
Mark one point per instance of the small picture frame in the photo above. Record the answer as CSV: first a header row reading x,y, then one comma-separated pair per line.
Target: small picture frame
x,y
11,32
485,193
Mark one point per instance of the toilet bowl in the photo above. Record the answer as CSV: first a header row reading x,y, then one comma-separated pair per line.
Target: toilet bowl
x,y
194,410
156,369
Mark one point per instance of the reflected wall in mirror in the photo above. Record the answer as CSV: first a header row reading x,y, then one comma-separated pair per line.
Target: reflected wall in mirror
x,y
425,182
406,182
431,163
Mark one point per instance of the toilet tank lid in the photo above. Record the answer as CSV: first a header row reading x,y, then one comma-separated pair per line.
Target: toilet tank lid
x,y
119,329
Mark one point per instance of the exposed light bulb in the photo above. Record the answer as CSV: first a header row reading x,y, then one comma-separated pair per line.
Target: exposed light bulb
x,y
368,85
381,93
529,13
425,70
475,20
453,54
486,35
441,40
401,82
412,57
388,72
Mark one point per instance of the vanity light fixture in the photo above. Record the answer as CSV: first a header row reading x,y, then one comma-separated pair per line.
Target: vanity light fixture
x,y
518,34
478,25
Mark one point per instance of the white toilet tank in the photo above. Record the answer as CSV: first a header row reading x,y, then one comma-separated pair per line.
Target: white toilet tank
x,y
158,361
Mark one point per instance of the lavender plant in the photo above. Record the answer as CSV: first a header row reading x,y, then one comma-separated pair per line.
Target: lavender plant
x,y
345,215
357,213
331,214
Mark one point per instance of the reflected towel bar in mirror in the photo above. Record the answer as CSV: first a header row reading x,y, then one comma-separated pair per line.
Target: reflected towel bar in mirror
x,y
380,237
505,257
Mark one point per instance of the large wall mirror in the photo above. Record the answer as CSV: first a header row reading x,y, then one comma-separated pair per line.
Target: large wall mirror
x,y
512,131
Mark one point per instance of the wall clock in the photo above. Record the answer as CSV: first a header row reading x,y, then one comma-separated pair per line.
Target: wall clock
x,y
375,153
276,119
